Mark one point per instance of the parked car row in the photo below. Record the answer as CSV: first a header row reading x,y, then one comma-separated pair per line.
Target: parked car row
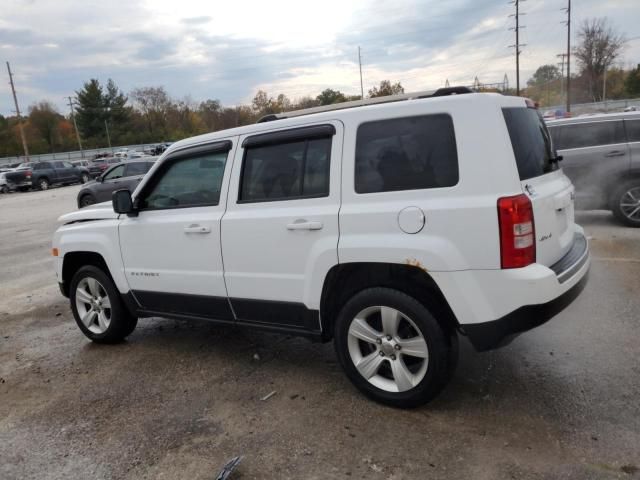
x,y
109,173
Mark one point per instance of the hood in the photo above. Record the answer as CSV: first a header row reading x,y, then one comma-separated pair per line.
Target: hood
x,y
98,211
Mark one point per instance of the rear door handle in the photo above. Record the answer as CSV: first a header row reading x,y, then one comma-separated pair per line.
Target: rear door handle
x,y
615,153
302,224
195,228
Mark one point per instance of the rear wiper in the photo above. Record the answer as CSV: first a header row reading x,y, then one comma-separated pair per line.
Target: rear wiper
x,y
556,159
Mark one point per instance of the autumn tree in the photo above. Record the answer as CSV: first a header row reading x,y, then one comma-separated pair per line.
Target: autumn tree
x,y
45,120
330,96
600,45
386,88
154,104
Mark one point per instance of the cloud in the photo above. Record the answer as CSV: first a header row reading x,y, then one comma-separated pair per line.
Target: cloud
x,y
230,51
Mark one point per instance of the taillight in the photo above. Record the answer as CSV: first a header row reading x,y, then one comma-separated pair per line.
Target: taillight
x,y
517,231
27,174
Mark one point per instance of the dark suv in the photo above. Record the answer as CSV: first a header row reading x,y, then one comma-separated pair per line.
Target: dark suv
x,y
118,177
42,175
601,156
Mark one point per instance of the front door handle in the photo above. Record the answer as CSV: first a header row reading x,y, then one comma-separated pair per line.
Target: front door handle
x,y
302,224
195,228
615,153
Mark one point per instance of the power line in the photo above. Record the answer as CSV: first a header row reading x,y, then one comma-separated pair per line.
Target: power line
x,y
517,44
562,56
75,125
15,100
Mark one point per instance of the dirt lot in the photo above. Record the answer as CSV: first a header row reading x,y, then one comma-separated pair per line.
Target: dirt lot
x,y
179,400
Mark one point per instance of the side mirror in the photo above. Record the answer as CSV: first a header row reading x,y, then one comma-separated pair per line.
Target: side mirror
x,y
122,202
100,179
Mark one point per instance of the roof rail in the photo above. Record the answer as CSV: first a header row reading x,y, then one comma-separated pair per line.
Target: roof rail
x,y
441,92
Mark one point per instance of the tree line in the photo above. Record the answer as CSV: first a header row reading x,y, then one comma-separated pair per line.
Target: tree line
x,y
104,113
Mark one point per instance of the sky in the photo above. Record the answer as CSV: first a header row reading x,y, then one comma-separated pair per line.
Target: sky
x,y
227,50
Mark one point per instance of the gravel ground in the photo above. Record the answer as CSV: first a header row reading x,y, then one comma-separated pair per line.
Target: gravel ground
x,y
179,400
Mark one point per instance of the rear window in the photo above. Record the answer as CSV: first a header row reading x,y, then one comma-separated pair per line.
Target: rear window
x,y
531,142
581,135
137,168
406,154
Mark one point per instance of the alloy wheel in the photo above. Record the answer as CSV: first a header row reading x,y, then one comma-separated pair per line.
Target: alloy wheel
x,y
630,204
388,349
93,305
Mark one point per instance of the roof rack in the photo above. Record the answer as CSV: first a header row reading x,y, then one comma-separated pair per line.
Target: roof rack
x,y
441,92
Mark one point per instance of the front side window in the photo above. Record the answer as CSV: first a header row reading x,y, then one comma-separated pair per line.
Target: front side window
x,y
581,135
67,164
406,154
58,165
293,170
115,173
531,142
194,181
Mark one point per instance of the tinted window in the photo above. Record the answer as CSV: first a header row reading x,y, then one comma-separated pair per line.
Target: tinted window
x,y
114,173
406,154
633,130
137,168
286,171
530,140
58,165
188,182
580,135
67,165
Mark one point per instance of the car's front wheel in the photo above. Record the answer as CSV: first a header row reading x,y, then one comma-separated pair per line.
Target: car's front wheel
x,y
98,308
84,178
392,348
4,189
86,200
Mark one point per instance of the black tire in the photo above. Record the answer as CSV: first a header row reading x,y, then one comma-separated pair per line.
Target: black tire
x,y
620,196
4,189
86,200
43,183
442,347
24,189
121,322
84,178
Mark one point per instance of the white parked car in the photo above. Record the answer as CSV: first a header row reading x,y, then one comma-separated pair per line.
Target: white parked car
x,y
388,227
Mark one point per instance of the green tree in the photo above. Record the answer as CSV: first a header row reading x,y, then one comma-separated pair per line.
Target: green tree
x,y
386,88
543,75
90,112
117,112
330,96
632,83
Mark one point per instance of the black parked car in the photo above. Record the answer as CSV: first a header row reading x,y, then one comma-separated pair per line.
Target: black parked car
x,y
118,177
44,174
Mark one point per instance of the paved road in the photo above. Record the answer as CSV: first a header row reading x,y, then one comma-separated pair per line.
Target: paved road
x,y
178,400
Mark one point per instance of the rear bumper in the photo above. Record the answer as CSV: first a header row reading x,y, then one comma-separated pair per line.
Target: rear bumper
x,y
494,306
498,333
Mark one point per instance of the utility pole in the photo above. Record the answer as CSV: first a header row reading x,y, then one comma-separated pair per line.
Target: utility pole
x,y
568,23
15,101
75,125
518,44
360,64
562,56
604,88
106,126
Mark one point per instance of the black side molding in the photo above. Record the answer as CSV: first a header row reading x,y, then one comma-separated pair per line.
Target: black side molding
x,y
290,135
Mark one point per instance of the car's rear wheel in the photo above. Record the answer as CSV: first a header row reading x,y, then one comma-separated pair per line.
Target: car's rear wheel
x,y
392,348
43,184
4,189
86,200
626,203
98,308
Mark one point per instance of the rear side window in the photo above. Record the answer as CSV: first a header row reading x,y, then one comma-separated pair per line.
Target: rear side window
x,y
137,168
286,171
633,130
58,165
530,140
406,154
581,135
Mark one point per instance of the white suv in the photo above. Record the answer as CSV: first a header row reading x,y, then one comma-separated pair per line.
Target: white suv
x,y
389,228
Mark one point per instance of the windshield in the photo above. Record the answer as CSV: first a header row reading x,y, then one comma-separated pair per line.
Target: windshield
x,y
532,145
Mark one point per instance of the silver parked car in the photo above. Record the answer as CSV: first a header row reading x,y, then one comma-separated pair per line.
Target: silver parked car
x,y
601,156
